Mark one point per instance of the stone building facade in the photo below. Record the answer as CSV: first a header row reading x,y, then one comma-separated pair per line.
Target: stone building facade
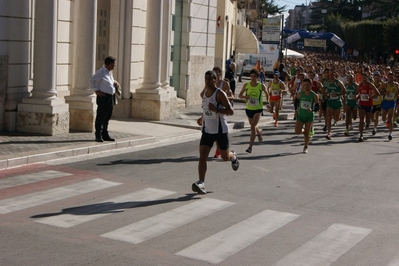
x,y
50,48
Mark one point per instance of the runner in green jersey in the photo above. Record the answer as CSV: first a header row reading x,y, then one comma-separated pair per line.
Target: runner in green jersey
x,y
252,93
307,98
333,90
351,103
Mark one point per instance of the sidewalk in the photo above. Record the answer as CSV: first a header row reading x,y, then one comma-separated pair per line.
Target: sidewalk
x,y
19,149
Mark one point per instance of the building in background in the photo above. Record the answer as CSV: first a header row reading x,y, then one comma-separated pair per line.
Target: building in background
x,y
50,48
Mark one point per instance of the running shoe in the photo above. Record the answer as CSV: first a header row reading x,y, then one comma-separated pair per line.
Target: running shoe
x,y
249,150
325,128
374,131
346,133
387,124
235,163
275,123
335,123
389,137
361,139
367,126
217,154
199,187
305,149
328,136
311,132
259,135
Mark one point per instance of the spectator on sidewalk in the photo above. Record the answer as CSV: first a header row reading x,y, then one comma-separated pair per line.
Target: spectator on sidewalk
x,y
231,77
229,61
104,85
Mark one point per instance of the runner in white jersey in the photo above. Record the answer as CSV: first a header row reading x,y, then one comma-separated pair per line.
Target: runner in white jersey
x,y
216,106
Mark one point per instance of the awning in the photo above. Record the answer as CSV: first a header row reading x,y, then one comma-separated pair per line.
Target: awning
x,y
246,41
292,54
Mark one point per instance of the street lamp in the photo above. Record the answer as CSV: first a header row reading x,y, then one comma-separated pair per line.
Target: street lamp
x,y
323,11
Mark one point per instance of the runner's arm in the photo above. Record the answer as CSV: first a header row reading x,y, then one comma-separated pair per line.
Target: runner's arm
x,y
241,95
229,92
266,93
376,92
223,101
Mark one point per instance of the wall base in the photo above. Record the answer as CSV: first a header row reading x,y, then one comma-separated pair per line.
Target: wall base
x,y
154,104
44,117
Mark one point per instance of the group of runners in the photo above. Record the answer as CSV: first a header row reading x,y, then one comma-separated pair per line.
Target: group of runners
x,y
330,88
349,92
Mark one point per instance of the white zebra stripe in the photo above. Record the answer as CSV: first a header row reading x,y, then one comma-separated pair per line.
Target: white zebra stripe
x,y
75,216
326,247
224,244
51,195
394,261
146,229
30,178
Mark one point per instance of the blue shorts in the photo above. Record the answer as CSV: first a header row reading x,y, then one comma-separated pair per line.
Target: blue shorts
x,y
388,105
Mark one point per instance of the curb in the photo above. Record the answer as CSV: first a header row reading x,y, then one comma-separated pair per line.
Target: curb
x,y
56,155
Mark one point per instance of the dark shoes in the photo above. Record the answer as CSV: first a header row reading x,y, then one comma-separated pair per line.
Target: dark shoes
x,y
104,138
108,138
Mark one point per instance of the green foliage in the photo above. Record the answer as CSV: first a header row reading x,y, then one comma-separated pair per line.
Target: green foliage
x,y
391,37
381,9
269,7
367,36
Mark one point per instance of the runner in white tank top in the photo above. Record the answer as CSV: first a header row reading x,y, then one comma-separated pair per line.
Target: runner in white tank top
x,y
214,128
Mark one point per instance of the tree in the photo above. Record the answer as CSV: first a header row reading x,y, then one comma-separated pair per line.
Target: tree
x,y
391,39
381,9
268,7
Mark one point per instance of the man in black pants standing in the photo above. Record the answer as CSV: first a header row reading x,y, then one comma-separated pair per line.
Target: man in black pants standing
x,y
104,85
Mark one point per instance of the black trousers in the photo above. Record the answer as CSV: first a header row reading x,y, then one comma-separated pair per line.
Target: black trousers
x,y
105,106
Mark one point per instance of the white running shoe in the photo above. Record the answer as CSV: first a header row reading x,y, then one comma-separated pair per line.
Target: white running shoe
x,y
199,187
235,163
305,149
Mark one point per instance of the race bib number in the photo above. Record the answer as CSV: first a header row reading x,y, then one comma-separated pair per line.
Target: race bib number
x,y
253,101
390,96
334,97
306,105
275,93
209,114
349,96
364,97
377,98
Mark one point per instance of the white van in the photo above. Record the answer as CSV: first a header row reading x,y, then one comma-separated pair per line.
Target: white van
x,y
267,57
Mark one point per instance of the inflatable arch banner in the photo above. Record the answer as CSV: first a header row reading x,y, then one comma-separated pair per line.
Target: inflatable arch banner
x,y
302,34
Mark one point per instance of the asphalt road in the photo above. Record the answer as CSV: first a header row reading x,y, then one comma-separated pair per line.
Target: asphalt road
x,y
336,205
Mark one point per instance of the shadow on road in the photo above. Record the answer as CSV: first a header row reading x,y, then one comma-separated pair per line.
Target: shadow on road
x,y
114,207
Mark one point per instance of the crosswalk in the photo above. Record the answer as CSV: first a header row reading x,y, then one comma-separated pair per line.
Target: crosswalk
x,y
324,248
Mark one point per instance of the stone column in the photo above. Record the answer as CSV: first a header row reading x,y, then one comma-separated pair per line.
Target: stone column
x,y
165,56
151,101
3,88
82,101
122,19
44,113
